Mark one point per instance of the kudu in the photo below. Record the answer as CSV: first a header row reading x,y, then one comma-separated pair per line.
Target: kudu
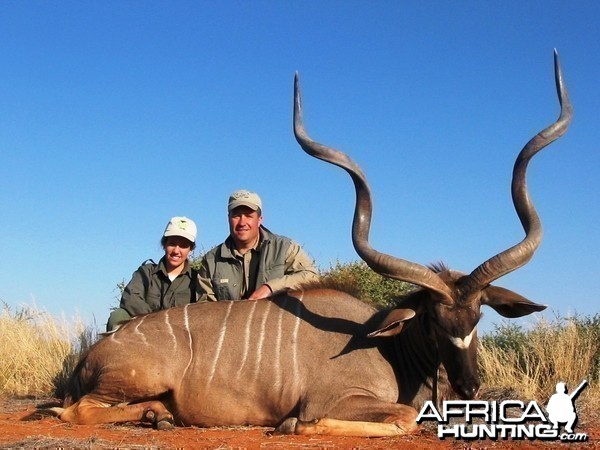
x,y
316,360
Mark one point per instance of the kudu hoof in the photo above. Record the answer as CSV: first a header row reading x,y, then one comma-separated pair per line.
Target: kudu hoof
x,y
165,424
149,416
287,427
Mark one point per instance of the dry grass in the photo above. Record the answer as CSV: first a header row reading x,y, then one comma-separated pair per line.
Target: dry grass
x,y
34,348
531,363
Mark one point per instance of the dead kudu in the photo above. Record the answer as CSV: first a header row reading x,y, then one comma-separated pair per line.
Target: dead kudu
x,y
316,361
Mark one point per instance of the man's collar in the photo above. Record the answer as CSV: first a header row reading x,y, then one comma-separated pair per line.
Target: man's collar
x,y
229,245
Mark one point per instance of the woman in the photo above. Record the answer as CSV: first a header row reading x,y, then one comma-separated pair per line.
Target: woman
x,y
171,282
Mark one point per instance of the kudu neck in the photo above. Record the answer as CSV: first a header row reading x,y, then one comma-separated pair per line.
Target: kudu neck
x,y
416,348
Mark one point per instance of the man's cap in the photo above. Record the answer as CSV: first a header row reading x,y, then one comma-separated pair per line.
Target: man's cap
x,y
244,198
181,226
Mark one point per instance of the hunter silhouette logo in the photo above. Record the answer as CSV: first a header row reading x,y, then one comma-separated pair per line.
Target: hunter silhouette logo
x,y
508,419
561,406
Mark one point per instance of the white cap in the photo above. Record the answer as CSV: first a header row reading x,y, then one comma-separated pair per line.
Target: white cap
x,y
244,198
181,226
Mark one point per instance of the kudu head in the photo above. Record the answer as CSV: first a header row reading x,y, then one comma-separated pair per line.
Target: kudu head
x,y
449,301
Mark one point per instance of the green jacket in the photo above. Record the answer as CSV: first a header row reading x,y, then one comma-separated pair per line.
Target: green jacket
x,y
151,290
282,264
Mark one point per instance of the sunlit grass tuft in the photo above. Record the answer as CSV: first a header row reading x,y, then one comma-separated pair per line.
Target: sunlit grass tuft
x,y
36,349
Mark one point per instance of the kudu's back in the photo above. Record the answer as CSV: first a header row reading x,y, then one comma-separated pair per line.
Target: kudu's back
x,y
244,362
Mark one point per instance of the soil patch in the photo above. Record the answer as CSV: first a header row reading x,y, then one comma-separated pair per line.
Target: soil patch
x,y
49,432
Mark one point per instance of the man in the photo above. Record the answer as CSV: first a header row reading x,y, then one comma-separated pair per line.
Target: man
x,y
171,282
252,263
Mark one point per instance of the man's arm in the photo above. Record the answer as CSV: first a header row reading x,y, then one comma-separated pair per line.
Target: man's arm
x,y
299,269
205,287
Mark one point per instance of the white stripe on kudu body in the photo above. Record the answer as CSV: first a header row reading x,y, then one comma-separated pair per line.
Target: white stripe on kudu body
x,y
462,343
246,339
219,345
186,323
137,330
277,364
295,337
170,330
261,339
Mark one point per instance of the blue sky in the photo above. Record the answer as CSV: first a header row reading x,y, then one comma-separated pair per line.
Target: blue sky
x,y
118,115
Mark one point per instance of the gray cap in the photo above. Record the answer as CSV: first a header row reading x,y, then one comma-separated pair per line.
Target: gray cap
x,y
244,198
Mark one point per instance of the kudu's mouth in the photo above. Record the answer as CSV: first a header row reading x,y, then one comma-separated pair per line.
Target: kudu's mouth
x,y
466,390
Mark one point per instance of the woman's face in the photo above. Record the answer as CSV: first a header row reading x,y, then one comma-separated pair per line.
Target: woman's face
x,y
177,250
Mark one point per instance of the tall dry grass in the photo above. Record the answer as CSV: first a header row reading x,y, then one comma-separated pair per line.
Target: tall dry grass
x,y
530,363
36,349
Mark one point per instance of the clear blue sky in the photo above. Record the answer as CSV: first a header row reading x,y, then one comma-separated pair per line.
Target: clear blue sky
x,y
118,115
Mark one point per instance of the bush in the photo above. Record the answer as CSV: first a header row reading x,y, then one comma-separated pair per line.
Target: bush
x,y
359,280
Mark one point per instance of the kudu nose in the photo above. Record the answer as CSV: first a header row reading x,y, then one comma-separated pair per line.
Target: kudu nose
x,y
468,391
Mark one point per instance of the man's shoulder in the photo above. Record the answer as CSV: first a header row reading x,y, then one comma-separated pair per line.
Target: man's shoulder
x,y
218,251
268,235
212,251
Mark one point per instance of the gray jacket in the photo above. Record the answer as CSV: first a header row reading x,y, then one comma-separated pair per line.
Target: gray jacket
x,y
150,289
282,264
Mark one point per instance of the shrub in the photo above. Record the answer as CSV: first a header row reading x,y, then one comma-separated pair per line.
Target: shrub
x,y
359,280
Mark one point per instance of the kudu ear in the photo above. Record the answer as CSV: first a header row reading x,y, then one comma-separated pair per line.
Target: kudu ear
x,y
393,322
508,303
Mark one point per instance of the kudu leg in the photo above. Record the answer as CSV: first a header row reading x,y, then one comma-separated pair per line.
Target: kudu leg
x,y
359,416
90,410
337,427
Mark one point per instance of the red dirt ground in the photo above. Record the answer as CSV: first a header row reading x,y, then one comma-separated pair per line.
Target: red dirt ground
x,y
52,433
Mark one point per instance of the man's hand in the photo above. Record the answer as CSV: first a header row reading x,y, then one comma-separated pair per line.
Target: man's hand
x,y
262,292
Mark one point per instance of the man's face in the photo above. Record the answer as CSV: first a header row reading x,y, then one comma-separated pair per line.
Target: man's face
x,y
244,226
